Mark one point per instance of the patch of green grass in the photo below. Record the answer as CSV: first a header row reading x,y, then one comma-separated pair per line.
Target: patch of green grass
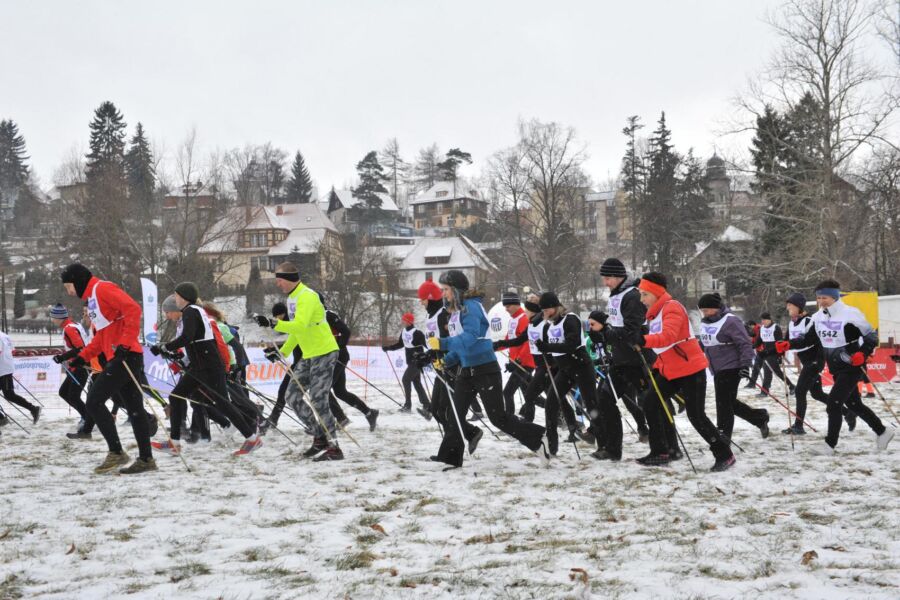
x,y
423,502
186,570
386,507
11,587
367,520
355,560
122,535
816,518
256,554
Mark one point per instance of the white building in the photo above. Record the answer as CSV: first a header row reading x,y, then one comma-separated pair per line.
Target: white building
x,y
429,258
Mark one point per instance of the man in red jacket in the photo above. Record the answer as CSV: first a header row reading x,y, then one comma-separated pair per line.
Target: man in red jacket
x,y
680,367
117,319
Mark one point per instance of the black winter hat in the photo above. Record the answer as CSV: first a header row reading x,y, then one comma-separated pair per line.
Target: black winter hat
x,y
599,316
77,274
510,298
713,300
766,315
548,300
798,300
279,308
456,279
188,290
612,267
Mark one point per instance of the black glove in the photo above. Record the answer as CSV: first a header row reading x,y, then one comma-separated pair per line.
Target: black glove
x,y
385,349
496,346
508,367
172,356
156,350
744,373
77,362
58,359
264,321
61,358
541,345
120,352
271,353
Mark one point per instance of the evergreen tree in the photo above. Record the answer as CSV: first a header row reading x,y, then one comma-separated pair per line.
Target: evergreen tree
x,y
334,203
299,186
371,175
13,167
656,210
106,160
426,171
255,296
139,170
449,167
396,169
633,177
19,299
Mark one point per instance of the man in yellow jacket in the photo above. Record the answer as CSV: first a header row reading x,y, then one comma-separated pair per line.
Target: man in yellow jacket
x,y
307,328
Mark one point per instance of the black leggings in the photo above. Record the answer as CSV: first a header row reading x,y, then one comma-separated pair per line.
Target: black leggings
x,y
728,406
844,391
115,379
72,385
693,392
809,382
207,383
772,364
412,376
7,386
339,387
519,378
626,382
568,375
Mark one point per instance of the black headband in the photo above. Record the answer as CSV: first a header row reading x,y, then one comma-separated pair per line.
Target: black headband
x,y
288,276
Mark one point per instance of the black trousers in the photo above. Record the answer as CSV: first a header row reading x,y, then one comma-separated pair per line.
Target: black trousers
x,y
692,389
339,387
809,382
113,379
772,364
7,387
568,375
519,378
443,403
412,376
207,383
627,380
485,382
845,392
70,390
540,382
280,400
726,384
757,366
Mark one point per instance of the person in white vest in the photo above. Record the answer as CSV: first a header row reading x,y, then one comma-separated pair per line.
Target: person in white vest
x,y
847,340
727,346
7,384
412,340
770,333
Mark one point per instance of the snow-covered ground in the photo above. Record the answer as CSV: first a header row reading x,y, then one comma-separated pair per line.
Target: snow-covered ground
x,y
387,523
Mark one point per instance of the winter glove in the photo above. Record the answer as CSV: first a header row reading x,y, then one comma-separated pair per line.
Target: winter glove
x,y
58,359
121,352
508,367
496,346
271,353
77,362
857,359
760,348
384,348
434,343
744,373
541,346
782,347
156,350
264,321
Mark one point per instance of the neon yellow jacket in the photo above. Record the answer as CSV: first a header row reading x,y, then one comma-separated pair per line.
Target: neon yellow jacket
x,y
308,327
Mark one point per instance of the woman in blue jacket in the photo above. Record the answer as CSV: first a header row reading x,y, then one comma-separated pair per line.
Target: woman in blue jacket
x,y
469,352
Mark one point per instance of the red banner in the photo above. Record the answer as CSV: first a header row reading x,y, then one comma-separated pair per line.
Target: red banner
x,y
881,367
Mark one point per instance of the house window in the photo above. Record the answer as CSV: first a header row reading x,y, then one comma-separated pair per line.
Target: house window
x,y
714,284
428,276
440,208
437,260
441,194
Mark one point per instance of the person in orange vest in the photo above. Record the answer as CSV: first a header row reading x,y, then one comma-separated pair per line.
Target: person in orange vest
x,y
74,339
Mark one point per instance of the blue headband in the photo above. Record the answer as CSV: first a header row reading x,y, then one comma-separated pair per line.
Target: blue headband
x,y
833,292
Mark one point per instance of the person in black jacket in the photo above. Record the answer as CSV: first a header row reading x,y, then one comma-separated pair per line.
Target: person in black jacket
x,y
564,339
540,377
204,374
847,340
339,390
769,334
625,376
413,341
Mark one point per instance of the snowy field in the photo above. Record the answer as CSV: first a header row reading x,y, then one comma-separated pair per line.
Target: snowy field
x,y
387,523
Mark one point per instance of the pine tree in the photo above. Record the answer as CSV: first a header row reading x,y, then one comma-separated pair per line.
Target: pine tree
x,y
255,297
13,167
140,172
656,210
371,175
448,169
426,171
299,187
633,177
19,299
106,160
396,169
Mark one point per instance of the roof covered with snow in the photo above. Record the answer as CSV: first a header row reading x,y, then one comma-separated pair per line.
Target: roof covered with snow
x,y
445,190
306,225
348,200
460,251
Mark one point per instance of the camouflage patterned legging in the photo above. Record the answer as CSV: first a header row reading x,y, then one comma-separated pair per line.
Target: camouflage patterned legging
x,y
314,375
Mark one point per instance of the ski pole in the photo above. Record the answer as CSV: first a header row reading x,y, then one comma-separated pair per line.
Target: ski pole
x,y
367,382
272,404
16,423
612,386
27,391
787,399
787,408
880,395
155,415
453,406
665,408
391,362
558,399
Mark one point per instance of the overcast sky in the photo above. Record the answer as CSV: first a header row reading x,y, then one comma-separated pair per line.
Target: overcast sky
x,y
336,79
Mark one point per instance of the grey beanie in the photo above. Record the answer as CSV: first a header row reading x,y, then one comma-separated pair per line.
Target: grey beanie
x,y
169,305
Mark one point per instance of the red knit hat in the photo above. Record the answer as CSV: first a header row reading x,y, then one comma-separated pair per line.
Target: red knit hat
x,y
408,318
429,291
